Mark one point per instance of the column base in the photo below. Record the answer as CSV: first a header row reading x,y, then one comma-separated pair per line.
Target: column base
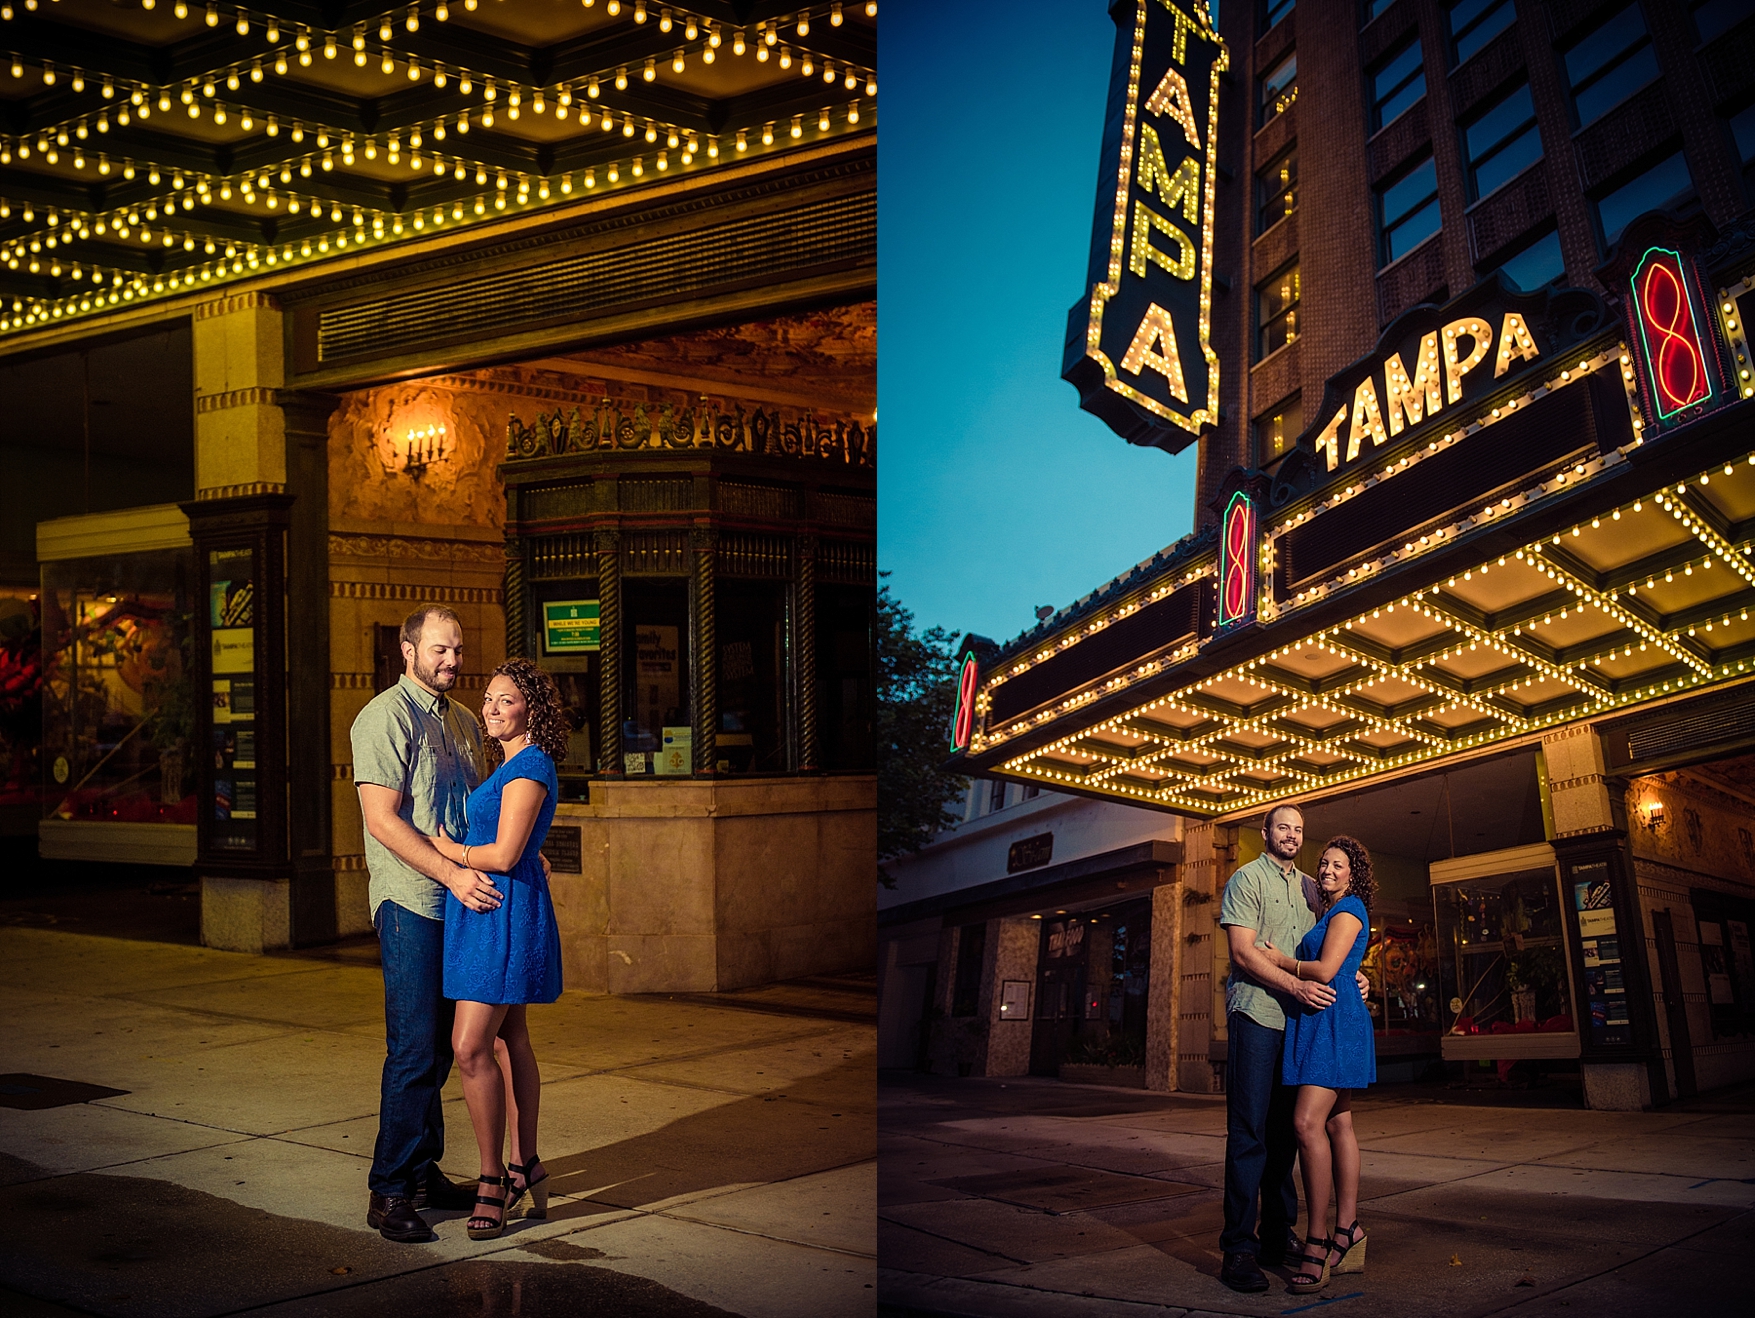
x,y
1616,1086
246,915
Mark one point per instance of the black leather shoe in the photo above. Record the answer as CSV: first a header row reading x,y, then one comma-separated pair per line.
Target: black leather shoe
x,y
1241,1272
443,1195
1275,1252
395,1219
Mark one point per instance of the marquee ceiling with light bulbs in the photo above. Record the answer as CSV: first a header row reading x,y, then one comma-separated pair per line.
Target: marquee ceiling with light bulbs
x,y
148,146
1567,531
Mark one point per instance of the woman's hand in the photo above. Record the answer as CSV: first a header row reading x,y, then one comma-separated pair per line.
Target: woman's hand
x,y
1280,959
450,850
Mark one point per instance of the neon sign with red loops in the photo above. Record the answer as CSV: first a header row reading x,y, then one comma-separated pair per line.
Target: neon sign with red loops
x,y
1678,356
963,721
1237,561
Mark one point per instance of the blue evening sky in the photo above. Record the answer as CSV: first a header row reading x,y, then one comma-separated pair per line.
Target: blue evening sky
x,y
996,492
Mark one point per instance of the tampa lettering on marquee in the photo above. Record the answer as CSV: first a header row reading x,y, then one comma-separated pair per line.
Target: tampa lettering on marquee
x,y
1139,350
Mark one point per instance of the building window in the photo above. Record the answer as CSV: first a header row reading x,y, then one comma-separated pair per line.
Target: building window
x,y
1609,64
1408,211
966,987
1375,8
1502,142
656,678
1276,304
996,797
1031,792
1276,191
1278,89
1662,187
1714,18
1535,265
1277,428
1272,11
1473,23
1397,83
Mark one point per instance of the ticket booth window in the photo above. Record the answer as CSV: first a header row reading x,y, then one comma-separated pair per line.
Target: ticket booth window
x,y
1505,980
752,734
655,671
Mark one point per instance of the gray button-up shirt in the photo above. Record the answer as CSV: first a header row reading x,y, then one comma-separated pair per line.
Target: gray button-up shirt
x,y
427,747
1281,908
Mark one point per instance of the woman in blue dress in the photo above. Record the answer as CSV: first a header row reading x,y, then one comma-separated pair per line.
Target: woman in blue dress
x,y
497,961
1329,1053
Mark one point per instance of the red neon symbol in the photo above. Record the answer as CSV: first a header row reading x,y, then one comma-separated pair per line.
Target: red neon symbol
x,y
1669,333
1236,562
964,723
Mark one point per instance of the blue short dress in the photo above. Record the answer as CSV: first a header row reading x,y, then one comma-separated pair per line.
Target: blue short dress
x,y
1332,1047
513,953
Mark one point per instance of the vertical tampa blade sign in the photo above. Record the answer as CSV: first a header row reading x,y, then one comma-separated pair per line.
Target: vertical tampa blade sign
x,y
1139,349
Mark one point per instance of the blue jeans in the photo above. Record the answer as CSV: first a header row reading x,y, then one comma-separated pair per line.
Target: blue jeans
x,y
417,1030
1260,1144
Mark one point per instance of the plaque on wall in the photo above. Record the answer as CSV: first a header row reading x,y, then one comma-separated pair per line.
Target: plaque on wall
x,y
564,848
1028,853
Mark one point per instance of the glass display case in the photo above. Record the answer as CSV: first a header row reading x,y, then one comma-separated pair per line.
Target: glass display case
x,y
118,688
1504,973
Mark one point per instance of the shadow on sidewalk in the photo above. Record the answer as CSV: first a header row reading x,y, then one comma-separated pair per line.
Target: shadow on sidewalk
x,y
816,1124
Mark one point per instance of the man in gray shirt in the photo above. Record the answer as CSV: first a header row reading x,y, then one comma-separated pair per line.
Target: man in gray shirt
x,y
416,757
1269,900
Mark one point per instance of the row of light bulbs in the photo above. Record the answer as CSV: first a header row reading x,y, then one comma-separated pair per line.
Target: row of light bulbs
x,y
239,258
1591,694
242,17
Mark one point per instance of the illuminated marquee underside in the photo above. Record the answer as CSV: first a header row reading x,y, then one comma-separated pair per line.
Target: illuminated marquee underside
x,y
1644,601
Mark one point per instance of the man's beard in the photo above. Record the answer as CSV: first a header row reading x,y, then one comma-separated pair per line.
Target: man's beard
x,y
1284,850
433,678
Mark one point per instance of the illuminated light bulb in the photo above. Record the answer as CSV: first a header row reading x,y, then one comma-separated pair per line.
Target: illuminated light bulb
x,y
298,131
413,69
639,11
761,53
853,113
737,46
651,131
798,125
280,62
785,57
650,70
871,84
385,30
835,14
768,134
329,47
665,23
691,29
677,65
442,13
387,62
592,88
412,22
591,178
770,35
212,15
713,148
464,84
628,129
621,78
637,168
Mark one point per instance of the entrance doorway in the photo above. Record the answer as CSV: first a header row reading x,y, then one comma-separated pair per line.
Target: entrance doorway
x,y
1092,975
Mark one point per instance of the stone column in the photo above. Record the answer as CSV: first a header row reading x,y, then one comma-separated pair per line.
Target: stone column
x,y
1164,989
609,652
261,504
706,674
804,651
1202,964
1014,945
1590,826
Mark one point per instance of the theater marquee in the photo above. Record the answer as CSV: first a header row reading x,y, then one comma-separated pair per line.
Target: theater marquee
x,y
1139,348
1518,511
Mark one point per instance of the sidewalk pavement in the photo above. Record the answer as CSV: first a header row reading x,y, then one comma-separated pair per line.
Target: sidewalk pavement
x,y
709,1155
1038,1199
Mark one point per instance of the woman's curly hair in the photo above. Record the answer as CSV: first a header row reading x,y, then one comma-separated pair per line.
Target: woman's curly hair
x,y
1363,886
548,726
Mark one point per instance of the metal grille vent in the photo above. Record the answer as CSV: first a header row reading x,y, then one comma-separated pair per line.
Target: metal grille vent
x,y
768,247
769,501
568,500
656,495
553,556
847,564
745,555
847,509
1728,719
655,554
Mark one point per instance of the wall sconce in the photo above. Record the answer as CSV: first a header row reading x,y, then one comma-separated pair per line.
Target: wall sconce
x,y
420,448
1651,814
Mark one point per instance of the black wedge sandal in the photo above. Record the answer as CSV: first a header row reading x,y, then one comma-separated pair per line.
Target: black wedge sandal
x,y
538,1188
481,1226
1352,1250
1312,1274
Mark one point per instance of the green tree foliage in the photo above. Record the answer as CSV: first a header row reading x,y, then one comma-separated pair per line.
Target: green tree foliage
x,y
917,677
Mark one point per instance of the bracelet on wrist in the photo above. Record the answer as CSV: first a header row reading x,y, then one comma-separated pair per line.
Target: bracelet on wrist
x,y
465,857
